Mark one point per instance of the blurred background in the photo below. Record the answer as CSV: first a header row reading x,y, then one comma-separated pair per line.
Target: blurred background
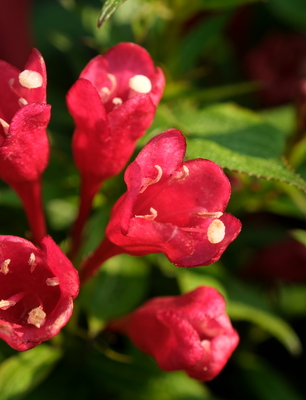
x,y
236,87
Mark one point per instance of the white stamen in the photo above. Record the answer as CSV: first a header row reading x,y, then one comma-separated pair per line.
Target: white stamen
x,y
22,102
52,281
117,101
30,79
149,181
206,344
5,304
5,125
140,84
216,231
204,214
180,175
4,266
32,262
113,80
37,317
151,216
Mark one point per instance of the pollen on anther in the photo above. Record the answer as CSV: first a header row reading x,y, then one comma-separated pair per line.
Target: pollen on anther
x,y
5,304
37,317
216,231
5,125
22,102
30,79
149,181
140,84
32,262
52,281
4,266
117,101
150,217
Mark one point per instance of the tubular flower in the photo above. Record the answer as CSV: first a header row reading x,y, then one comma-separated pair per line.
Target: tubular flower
x,y
24,147
172,206
190,332
37,287
112,104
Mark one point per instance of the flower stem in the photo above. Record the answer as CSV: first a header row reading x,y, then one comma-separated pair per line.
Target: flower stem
x,y
91,264
89,188
30,195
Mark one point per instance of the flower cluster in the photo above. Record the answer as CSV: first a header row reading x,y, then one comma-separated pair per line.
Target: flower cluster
x,y
171,206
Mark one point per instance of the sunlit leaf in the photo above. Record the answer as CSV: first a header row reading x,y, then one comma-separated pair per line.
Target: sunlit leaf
x,y
21,373
108,9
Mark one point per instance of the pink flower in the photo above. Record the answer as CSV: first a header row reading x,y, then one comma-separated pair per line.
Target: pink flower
x,y
112,104
173,207
24,147
190,332
37,287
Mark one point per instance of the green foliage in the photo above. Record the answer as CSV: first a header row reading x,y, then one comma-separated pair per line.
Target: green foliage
x,y
108,9
21,373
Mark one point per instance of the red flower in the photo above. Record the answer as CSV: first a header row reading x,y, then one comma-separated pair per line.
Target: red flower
x,y
172,206
36,288
190,332
112,104
24,147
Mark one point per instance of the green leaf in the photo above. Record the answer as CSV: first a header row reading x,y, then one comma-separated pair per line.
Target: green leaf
x,y
267,321
108,9
235,138
224,3
292,12
21,373
265,382
141,379
118,288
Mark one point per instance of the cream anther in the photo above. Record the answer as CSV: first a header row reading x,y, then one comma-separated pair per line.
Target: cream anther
x,y
216,231
30,79
204,214
37,317
140,84
149,181
205,344
5,304
32,262
4,266
117,101
22,102
150,217
180,175
52,281
113,80
5,125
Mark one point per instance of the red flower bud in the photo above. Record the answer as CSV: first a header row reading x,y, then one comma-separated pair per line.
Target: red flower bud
x,y
24,147
190,332
172,206
37,287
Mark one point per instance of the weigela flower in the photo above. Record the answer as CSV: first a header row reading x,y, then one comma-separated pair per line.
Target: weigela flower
x,y
24,116
191,332
37,287
24,146
172,206
112,104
